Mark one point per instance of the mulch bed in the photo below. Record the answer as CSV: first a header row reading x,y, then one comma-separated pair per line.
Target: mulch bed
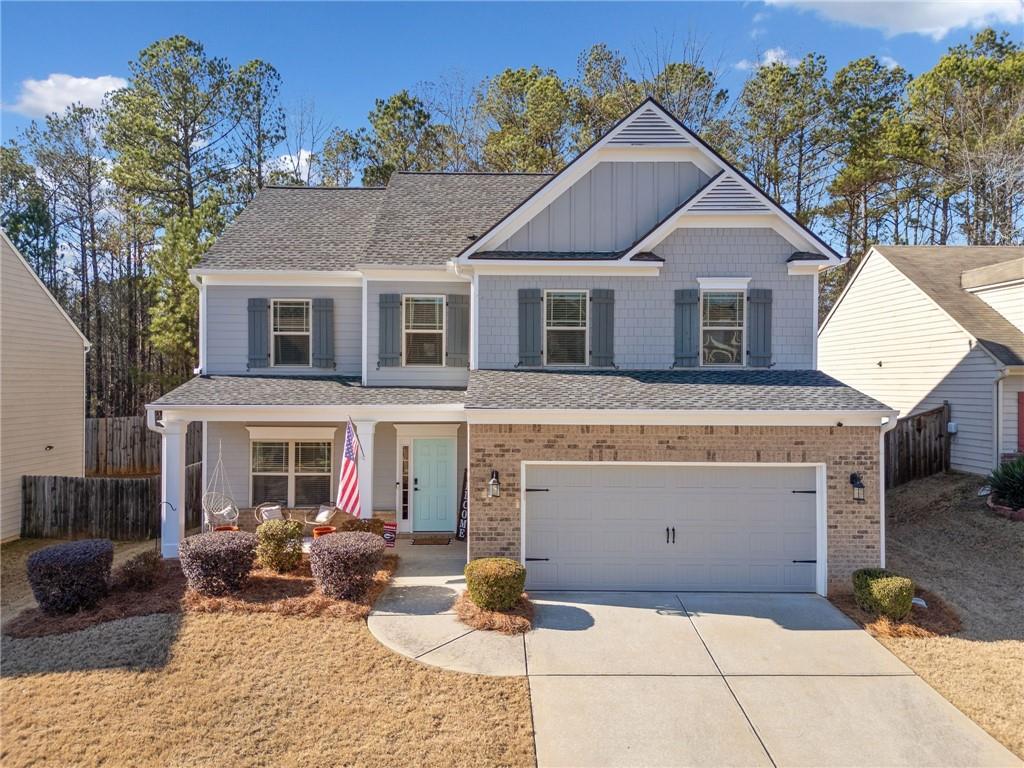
x,y
291,594
936,620
517,621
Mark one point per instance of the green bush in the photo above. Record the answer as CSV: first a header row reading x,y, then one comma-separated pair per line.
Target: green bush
x,y
495,583
140,573
1008,483
279,545
348,524
882,592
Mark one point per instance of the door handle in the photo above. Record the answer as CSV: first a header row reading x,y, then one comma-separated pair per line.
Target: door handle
x,y
673,534
666,534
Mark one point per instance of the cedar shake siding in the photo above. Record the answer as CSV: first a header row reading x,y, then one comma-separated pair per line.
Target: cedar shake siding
x,y
853,528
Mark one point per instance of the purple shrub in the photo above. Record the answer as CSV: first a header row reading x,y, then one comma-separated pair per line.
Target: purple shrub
x,y
343,564
70,577
217,562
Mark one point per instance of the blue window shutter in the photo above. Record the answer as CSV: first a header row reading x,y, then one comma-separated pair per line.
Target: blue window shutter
x,y
259,333
323,333
389,352
687,351
531,327
759,328
602,327
457,331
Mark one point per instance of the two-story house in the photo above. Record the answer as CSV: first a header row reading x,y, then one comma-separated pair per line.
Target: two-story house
x,y
621,357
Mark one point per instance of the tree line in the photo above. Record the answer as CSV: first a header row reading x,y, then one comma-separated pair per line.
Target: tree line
x,y
112,206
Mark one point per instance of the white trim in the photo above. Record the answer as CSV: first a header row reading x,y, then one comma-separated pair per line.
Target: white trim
x,y
443,330
887,427
814,348
440,273
586,327
303,277
308,333
365,341
292,433
290,413
723,283
679,417
427,430
821,499
474,322
995,286
292,472
50,296
202,326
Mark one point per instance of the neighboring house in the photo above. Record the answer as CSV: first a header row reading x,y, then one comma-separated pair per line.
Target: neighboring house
x,y
627,347
919,325
42,386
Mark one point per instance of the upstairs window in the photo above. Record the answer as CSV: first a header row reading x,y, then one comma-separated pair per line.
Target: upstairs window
x,y
565,328
423,330
291,339
722,326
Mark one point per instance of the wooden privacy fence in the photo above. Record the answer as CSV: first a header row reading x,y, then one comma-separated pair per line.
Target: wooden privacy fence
x,y
918,446
124,445
107,507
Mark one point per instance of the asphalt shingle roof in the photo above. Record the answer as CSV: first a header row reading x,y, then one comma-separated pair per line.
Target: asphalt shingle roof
x,y
761,390
300,390
429,218
937,271
299,228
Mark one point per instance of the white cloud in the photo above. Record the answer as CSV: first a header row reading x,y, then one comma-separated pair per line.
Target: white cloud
x,y
287,162
41,97
932,18
888,62
771,56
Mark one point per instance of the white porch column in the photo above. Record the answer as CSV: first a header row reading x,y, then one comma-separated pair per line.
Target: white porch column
x,y
364,431
172,487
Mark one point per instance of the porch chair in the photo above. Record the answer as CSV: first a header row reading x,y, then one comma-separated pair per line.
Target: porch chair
x,y
325,513
269,510
218,509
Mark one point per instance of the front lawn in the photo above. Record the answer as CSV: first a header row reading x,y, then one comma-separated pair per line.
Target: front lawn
x,y
224,688
941,534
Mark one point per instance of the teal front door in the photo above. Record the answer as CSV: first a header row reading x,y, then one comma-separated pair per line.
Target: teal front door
x,y
433,487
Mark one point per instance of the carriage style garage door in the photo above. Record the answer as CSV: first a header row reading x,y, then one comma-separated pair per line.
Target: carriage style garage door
x,y
739,528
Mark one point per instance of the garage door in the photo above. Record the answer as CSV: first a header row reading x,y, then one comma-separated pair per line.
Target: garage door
x,y
595,526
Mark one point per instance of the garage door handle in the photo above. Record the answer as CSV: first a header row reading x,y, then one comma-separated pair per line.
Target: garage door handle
x,y
805,561
666,534
537,559
537,490
673,534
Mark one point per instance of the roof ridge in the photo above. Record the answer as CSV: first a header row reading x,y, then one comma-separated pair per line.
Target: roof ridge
x,y
474,173
326,187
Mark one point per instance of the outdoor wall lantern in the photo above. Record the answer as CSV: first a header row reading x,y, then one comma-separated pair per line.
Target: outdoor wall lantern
x,y
858,487
493,485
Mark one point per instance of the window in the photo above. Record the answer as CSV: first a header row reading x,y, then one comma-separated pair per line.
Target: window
x,y
291,337
721,332
293,473
565,328
423,328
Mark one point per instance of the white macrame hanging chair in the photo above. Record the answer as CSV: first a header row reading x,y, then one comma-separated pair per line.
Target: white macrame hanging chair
x,y
218,506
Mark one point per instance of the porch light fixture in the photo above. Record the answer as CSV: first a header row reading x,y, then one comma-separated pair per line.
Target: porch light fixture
x,y
493,485
858,487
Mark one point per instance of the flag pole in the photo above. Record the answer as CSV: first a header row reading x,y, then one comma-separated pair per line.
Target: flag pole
x,y
356,433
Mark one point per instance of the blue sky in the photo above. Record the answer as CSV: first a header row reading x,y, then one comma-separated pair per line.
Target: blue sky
x,y
345,54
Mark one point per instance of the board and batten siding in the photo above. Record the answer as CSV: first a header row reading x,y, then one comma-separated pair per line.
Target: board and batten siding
x,y
227,327
42,380
408,376
645,306
610,208
1007,300
926,358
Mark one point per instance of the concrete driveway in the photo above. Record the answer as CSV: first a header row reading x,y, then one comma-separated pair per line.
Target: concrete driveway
x,y
661,679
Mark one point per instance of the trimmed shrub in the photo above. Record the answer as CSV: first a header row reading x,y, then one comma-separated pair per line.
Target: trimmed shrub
x,y
1008,483
495,583
279,545
71,577
883,592
373,525
217,562
139,573
343,564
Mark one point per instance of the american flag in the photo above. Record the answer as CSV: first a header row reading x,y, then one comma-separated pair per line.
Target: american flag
x,y
348,485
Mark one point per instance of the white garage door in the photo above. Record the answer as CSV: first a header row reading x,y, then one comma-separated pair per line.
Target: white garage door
x,y
595,526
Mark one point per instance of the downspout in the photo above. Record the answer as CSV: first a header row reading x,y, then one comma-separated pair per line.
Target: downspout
x,y
201,285
887,426
997,415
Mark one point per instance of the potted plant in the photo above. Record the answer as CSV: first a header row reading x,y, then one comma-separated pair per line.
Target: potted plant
x,y
225,528
323,530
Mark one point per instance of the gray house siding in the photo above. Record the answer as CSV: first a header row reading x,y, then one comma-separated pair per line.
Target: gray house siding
x,y
407,375
610,208
644,306
227,327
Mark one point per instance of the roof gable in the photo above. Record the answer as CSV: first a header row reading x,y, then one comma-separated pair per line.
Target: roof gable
x,y
647,127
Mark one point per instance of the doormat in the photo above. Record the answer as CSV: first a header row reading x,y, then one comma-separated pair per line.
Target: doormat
x,y
442,540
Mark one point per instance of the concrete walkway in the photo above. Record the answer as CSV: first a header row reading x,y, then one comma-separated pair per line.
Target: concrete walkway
x,y
695,679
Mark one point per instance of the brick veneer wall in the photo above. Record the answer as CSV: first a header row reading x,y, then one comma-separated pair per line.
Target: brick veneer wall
x,y
854,538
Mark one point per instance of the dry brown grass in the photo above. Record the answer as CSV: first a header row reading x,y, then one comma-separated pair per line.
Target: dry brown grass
x,y
942,535
261,689
937,620
517,621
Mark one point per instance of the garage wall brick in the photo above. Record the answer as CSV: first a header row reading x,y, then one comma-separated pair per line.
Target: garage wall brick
x,y
854,531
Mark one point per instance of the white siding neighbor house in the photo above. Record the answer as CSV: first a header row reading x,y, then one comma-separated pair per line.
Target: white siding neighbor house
x,y
917,326
42,386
